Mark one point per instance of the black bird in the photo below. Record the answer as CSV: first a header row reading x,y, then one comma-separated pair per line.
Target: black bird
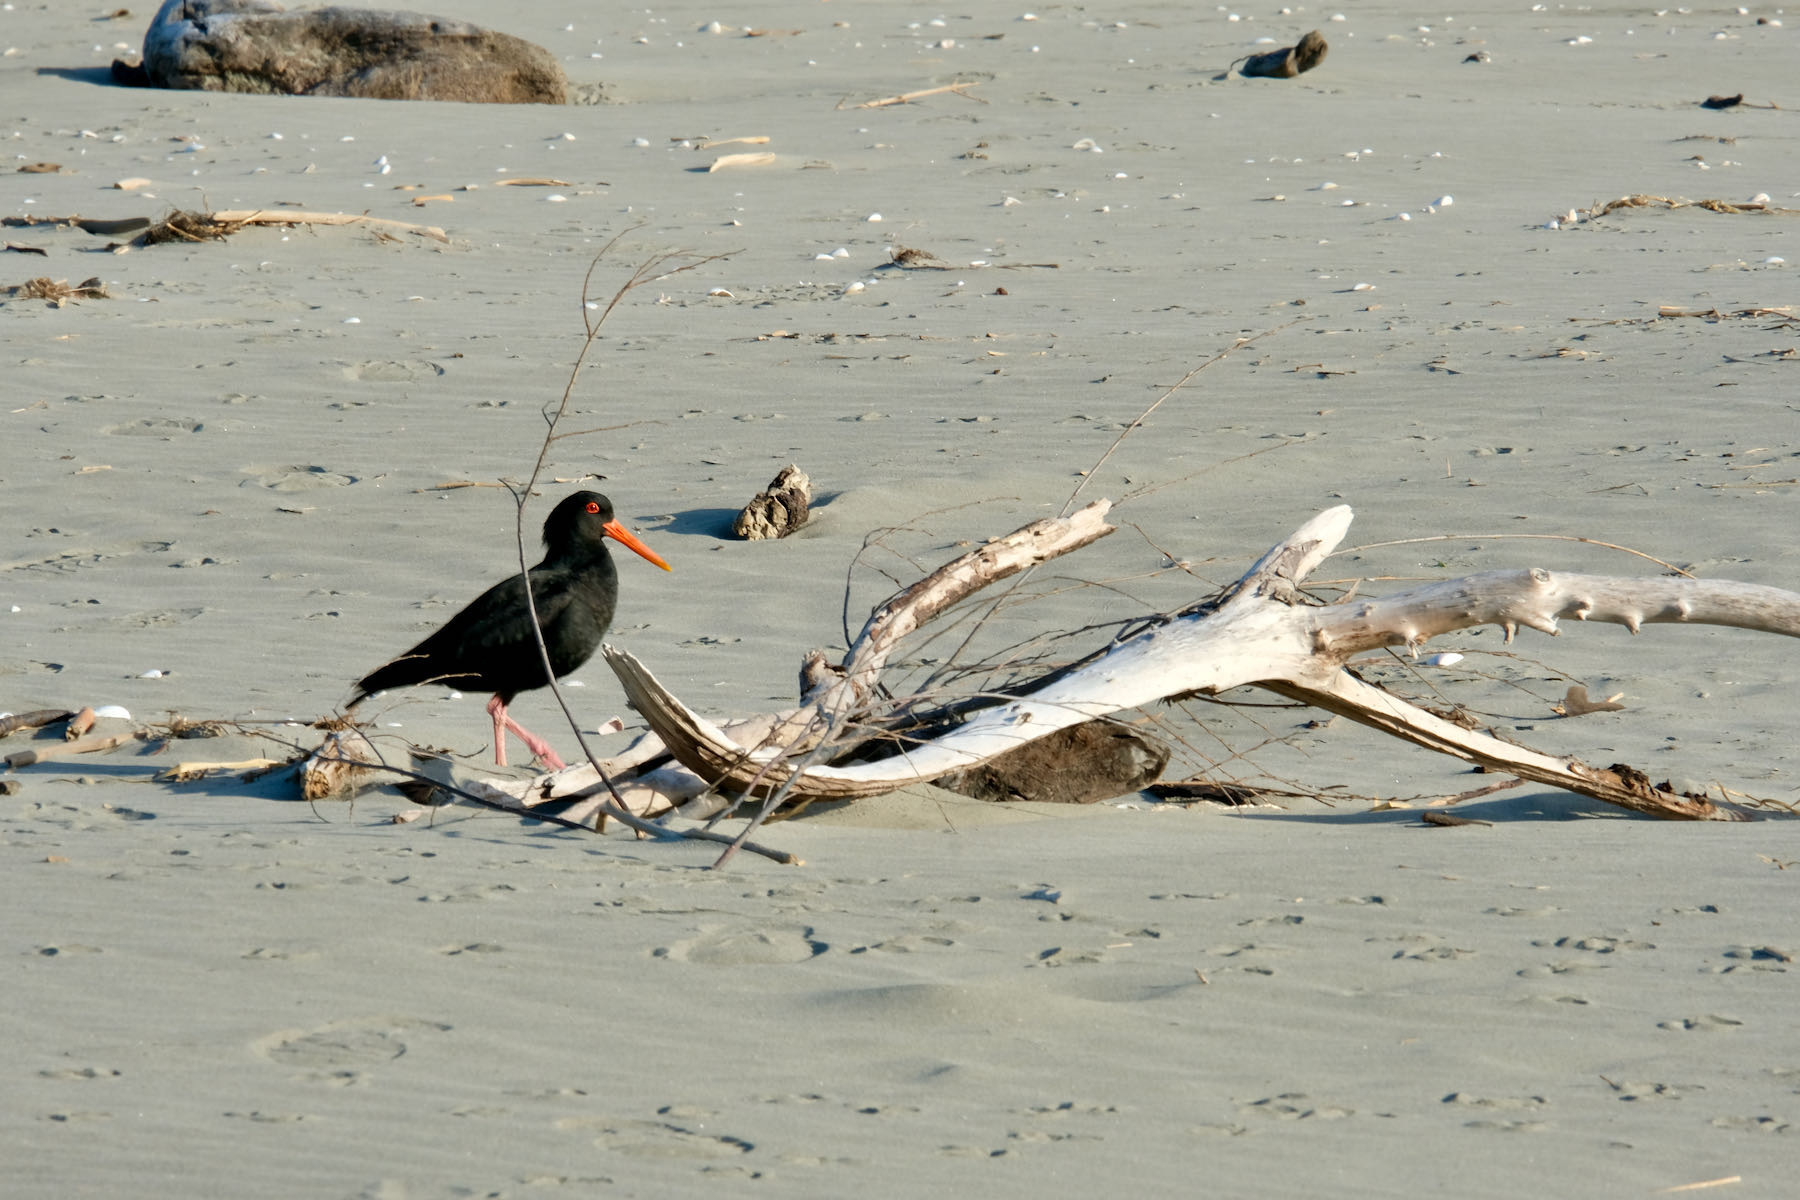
x,y
489,645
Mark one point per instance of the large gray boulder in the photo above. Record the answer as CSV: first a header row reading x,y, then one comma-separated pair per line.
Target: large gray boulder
x,y
259,46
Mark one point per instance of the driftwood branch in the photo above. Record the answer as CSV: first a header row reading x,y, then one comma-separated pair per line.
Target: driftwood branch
x,y
1260,631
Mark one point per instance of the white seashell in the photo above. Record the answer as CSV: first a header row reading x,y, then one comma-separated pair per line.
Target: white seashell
x,y
573,683
824,257
114,712
1552,223
1760,198
353,320
1346,204
1441,660
640,141
1088,144
727,295
873,217
1363,287
407,815
152,673
1774,260
456,695
556,198
1327,186
1011,202
840,252
853,288
1445,201
1403,217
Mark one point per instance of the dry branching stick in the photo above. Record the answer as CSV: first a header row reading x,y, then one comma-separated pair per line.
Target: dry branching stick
x,y
650,269
838,694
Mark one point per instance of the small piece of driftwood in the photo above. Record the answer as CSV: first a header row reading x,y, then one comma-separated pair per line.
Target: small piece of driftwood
x,y
259,216
960,89
344,763
35,719
1289,61
80,724
778,510
50,751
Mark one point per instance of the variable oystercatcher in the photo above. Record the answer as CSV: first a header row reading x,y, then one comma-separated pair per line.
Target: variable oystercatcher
x,y
489,645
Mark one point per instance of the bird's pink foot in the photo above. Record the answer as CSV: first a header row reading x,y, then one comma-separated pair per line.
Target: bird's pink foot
x,y
504,724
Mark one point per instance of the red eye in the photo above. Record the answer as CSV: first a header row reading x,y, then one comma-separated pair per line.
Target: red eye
x,y
593,507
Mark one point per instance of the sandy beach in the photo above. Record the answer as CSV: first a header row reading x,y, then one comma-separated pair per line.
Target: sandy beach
x,y
222,486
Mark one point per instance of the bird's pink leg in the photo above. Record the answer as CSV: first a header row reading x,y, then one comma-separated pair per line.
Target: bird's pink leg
x,y
538,746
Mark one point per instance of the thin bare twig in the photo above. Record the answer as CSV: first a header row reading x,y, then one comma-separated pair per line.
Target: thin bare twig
x,y
658,266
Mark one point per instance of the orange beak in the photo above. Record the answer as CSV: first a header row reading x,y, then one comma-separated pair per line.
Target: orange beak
x,y
627,539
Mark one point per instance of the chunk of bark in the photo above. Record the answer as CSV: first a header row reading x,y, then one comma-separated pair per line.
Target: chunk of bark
x,y
344,764
778,511
259,46
1095,760
1288,61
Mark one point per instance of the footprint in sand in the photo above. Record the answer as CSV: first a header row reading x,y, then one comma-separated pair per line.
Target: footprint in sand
x,y
300,478
344,1045
1753,1124
1293,1106
80,1073
1710,1023
161,427
734,947
1500,1103
656,1139
392,371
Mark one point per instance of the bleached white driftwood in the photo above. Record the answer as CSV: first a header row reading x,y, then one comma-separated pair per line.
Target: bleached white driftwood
x,y
1260,631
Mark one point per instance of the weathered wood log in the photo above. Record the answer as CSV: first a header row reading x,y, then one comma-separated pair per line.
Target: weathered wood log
x,y
259,46
779,509
1289,61
1258,631
37,718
